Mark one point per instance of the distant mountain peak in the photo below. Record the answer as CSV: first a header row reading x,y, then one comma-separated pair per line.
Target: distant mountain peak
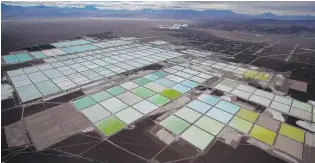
x,y
42,6
268,14
90,7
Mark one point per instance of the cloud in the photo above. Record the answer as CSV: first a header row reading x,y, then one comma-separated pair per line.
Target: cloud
x,y
254,8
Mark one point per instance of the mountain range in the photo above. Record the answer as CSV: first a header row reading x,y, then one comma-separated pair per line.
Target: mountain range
x,y
18,12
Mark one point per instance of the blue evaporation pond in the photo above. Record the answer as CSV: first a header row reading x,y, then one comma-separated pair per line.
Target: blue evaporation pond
x,y
77,49
208,99
81,48
70,43
47,87
10,59
152,77
17,72
226,106
180,88
165,82
219,115
38,55
28,93
199,106
23,57
189,83
68,50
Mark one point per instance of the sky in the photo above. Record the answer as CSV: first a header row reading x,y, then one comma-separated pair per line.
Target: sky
x,y
253,8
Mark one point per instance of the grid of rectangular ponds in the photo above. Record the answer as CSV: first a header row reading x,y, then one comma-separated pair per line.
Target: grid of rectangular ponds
x,y
199,122
202,120
110,110
268,99
276,102
69,71
231,67
28,56
20,57
62,48
257,75
70,43
264,98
